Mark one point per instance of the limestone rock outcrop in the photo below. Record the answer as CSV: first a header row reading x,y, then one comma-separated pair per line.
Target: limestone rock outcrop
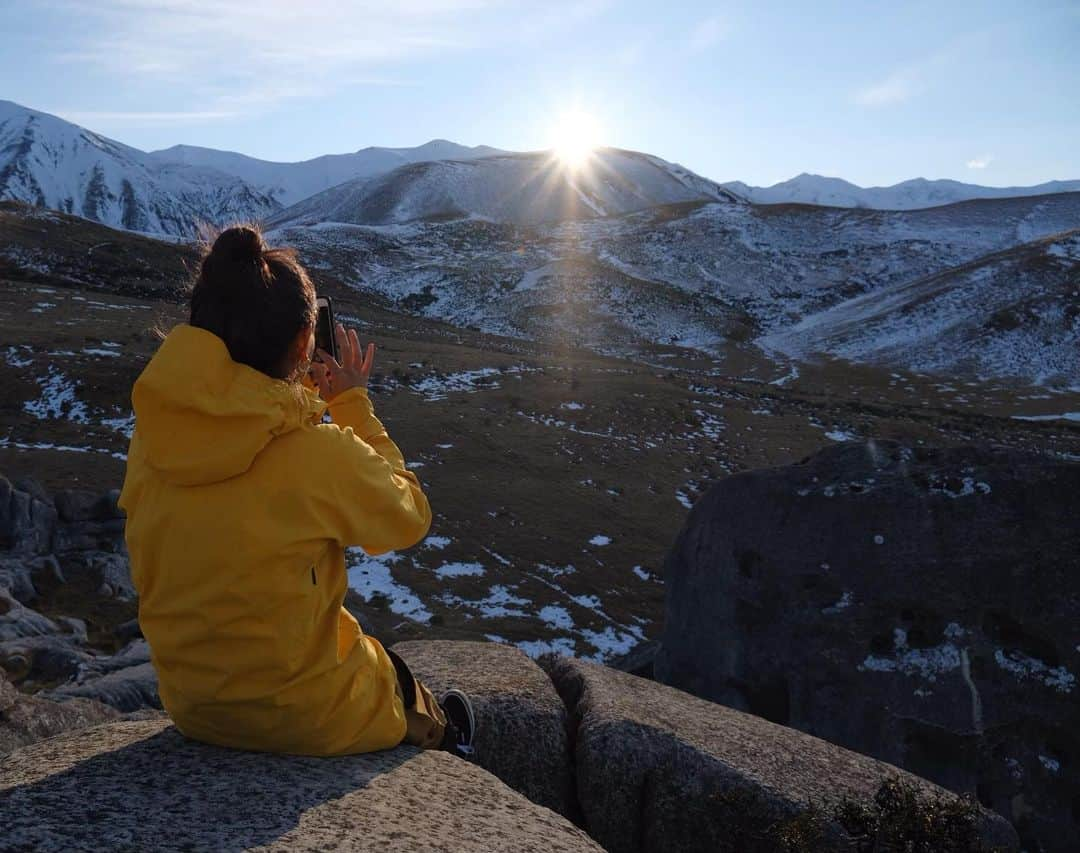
x,y
914,604
25,719
141,785
660,770
521,721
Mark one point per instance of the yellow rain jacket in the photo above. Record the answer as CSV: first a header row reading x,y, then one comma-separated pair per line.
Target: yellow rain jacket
x,y
239,504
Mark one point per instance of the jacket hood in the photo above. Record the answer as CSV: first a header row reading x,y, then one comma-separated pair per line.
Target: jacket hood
x,y
201,417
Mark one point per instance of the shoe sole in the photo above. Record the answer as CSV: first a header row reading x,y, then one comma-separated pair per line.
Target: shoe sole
x,y
464,748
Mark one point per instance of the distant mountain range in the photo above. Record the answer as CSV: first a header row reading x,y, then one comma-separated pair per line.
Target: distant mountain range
x,y
908,195
53,163
512,188
288,183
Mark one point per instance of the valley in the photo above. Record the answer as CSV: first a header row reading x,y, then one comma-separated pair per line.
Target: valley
x,y
558,475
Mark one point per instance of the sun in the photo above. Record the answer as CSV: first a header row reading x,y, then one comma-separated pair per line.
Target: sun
x,y
574,137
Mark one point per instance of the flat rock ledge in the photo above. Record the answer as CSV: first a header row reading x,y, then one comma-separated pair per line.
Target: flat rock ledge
x,y
521,721
142,785
660,770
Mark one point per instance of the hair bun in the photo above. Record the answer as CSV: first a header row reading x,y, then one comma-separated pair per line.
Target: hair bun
x,y
239,244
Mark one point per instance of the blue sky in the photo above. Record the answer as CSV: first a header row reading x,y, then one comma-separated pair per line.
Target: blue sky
x,y
874,92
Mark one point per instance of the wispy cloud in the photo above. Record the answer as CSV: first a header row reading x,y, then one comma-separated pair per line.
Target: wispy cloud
x,y
921,74
980,162
894,89
708,33
263,53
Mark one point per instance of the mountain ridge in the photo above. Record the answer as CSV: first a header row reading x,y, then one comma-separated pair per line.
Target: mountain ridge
x,y
176,191
520,188
912,194
291,182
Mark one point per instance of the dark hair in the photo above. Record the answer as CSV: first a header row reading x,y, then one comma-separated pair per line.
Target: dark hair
x,y
256,299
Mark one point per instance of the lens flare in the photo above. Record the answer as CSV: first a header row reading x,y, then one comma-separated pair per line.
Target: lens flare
x,y
574,137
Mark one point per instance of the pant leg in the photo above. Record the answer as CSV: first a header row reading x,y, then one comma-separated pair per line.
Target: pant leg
x,y
424,720
404,676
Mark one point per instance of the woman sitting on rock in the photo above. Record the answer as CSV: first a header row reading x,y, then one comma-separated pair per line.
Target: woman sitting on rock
x,y
240,501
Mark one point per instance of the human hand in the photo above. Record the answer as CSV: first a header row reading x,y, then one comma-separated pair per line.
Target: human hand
x,y
333,376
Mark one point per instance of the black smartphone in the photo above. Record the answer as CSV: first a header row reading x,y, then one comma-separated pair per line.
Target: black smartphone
x,y
324,326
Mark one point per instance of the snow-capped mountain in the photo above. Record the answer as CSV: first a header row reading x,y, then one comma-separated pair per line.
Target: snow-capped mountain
x,y
50,162
907,195
288,183
53,163
702,275
513,188
1010,313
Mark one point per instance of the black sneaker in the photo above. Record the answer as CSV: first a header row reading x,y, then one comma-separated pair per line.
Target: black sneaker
x,y
462,722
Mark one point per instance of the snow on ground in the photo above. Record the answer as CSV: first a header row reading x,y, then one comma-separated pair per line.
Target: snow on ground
x,y
968,486
125,425
58,398
1022,666
927,663
711,425
533,277
371,577
45,445
437,387
841,435
560,646
457,570
611,642
13,359
498,557
557,617
589,602
1067,416
505,601
500,602
559,423
600,539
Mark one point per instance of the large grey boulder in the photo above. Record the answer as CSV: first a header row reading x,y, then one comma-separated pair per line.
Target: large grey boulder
x,y
521,721
143,786
25,719
27,518
73,505
17,620
127,689
22,573
108,574
126,680
917,605
660,770
44,660
32,522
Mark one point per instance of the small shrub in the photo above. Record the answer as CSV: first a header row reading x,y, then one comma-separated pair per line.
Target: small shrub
x,y
379,600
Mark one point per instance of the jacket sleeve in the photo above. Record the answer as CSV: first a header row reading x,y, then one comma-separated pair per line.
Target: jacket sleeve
x,y
369,498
